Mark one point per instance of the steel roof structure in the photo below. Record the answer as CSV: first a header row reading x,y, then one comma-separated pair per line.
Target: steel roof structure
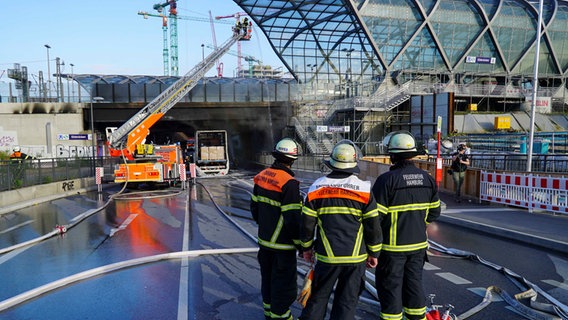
x,y
335,40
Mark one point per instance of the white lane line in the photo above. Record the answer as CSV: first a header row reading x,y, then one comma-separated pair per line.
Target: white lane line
x,y
183,295
556,284
84,214
481,292
453,278
123,225
477,210
16,226
428,266
11,254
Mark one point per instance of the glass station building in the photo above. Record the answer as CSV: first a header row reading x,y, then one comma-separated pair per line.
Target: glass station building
x,y
359,44
401,64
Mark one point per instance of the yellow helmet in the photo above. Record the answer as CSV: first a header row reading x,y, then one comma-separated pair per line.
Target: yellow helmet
x,y
344,157
400,142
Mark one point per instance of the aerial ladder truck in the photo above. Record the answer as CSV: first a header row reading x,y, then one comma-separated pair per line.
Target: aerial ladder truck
x,y
146,163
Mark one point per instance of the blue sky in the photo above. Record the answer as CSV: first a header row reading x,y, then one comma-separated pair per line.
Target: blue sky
x,y
109,37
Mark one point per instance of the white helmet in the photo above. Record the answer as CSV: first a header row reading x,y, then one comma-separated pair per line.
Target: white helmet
x,y
344,157
286,148
16,149
400,142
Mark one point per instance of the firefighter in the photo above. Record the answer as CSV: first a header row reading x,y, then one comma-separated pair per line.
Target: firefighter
x,y
407,197
17,156
245,26
276,206
343,209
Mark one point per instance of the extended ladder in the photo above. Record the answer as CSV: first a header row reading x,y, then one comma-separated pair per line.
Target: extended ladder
x,y
166,100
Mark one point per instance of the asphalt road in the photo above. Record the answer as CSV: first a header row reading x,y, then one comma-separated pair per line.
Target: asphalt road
x,y
174,255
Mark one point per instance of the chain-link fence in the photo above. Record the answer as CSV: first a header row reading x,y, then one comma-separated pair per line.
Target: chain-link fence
x,y
15,174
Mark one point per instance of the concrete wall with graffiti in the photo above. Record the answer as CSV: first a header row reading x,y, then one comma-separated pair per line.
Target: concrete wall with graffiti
x,y
45,130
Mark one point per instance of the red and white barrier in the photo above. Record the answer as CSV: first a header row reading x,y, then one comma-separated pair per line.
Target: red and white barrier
x,y
528,191
182,173
99,174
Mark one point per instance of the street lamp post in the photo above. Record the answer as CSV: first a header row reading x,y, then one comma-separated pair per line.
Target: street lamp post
x,y
348,73
94,141
311,66
72,87
202,52
48,72
58,82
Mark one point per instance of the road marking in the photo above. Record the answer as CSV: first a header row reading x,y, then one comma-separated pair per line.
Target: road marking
x,y
453,278
183,295
12,254
16,226
84,214
556,284
123,225
477,210
481,292
428,266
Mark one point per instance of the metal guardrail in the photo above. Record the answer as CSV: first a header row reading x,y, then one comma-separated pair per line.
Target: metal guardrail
x,y
544,163
26,173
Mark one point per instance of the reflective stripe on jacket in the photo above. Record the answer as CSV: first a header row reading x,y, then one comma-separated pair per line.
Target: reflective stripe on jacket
x,y
407,198
347,219
276,206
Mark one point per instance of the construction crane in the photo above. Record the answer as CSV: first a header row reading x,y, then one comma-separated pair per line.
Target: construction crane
x,y
236,16
219,64
173,32
173,41
166,55
248,58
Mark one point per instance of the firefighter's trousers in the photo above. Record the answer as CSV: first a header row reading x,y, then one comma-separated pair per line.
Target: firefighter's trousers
x,y
350,284
279,285
399,285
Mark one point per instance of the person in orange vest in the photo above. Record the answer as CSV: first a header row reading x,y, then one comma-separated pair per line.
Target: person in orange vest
x,y
276,206
17,156
341,231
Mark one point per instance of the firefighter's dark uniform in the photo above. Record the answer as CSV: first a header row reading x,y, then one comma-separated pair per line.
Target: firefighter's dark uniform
x,y
348,230
276,206
408,200
18,156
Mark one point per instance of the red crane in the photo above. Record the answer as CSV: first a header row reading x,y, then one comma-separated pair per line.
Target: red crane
x,y
219,64
237,16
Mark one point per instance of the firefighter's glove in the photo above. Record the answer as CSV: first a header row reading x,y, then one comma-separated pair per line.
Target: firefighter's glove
x,y
309,256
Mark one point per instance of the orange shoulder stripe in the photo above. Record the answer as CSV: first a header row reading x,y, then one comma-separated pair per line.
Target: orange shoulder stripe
x,y
329,192
271,179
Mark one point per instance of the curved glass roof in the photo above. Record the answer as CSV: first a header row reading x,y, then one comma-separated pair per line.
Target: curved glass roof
x,y
361,40
318,39
338,42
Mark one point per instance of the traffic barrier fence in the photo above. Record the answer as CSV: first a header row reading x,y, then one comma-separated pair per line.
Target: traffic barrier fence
x,y
525,190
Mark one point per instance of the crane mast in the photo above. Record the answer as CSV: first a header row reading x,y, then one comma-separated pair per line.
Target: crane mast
x,y
134,131
173,33
166,49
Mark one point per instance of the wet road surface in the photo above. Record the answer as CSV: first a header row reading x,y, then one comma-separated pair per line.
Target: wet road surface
x,y
175,255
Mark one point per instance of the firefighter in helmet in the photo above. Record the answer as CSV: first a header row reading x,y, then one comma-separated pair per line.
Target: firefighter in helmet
x,y
17,155
408,201
276,206
342,208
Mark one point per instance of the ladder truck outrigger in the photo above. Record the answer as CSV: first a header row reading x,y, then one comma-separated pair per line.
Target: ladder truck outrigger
x,y
146,163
